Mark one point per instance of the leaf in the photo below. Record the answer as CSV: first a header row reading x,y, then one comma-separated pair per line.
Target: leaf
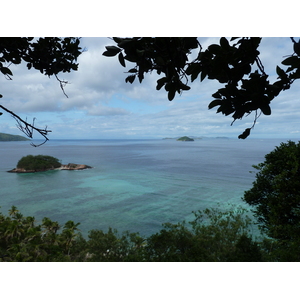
x,y
280,72
224,43
121,59
113,48
297,48
111,51
194,76
292,60
194,69
184,87
160,83
107,53
6,71
117,39
266,109
130,78
214,103
202,76
245,134
216,95
214,48
171,94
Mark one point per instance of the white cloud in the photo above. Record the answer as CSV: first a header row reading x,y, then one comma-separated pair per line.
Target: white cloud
x,y
100,110
101,104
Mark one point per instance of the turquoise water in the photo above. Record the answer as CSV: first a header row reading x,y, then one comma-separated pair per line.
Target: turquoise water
x,y
134,185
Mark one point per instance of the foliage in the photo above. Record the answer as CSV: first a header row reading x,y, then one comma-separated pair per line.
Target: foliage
x,y
213,236
38,162
22,240
49,55
275,196
112,247
234,63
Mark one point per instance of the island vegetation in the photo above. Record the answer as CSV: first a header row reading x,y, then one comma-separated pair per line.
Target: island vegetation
x,y
185,139
5,137
41,163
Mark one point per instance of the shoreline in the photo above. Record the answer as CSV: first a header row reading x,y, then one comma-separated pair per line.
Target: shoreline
x,y
69,167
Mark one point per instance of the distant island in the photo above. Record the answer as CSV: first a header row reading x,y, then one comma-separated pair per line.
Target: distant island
x,y
196,138
42,163
4,137
185,139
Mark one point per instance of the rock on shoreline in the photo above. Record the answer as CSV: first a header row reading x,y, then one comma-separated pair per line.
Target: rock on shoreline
x,y
72,166
69,166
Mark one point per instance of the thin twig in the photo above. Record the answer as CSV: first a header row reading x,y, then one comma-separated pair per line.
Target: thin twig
x,y
62,84
28,128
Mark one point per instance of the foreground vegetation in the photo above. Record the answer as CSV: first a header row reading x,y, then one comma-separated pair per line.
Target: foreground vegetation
x,y
213,236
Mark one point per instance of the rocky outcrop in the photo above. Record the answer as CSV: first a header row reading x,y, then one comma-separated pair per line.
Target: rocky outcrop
x,y
72,166
22,170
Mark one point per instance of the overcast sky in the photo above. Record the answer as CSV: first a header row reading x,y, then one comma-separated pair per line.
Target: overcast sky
x,y
101,105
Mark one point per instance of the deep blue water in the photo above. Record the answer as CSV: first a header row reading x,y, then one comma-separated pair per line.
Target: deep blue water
x,y
134,185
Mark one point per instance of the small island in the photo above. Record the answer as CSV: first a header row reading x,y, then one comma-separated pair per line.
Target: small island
x,y
185,139
42,163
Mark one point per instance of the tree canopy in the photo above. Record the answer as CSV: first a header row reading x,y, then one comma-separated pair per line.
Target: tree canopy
x,y
49,55
38,162
234,63
275,194
275,198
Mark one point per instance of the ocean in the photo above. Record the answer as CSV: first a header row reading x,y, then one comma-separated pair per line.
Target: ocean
x,y
134,185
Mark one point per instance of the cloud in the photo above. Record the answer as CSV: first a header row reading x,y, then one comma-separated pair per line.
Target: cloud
x,y
100,104
106,111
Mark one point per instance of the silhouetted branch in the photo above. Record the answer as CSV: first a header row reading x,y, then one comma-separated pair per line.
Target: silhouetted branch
x,y
62,84
28,128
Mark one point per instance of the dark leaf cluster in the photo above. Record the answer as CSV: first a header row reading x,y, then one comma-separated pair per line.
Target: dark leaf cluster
x,y
49,55
234,63
166,56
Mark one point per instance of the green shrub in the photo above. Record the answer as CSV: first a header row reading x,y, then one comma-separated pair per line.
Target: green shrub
x,y
214,235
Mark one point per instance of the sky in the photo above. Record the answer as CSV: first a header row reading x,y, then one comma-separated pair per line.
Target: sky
x,y
101,105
